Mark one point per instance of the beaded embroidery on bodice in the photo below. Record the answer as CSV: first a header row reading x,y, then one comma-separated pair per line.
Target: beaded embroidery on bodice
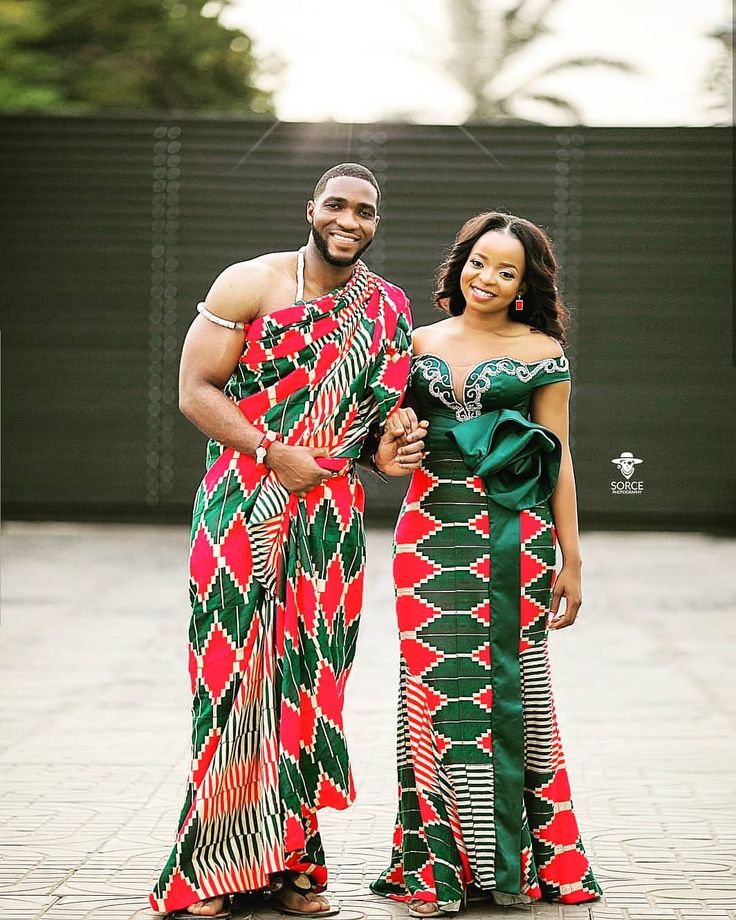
x,y
437,373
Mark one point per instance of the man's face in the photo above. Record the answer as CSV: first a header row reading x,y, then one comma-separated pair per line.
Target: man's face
x,y
344,220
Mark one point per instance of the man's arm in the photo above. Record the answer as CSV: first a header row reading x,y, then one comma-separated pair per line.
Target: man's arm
x,y
209,357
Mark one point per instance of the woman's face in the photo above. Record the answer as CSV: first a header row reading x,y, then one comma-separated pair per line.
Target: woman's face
x,y
492,276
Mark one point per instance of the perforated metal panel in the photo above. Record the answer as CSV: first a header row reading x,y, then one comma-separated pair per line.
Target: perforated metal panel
x,y
115,228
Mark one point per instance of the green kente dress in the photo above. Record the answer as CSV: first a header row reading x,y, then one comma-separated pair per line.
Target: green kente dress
x,y
484,799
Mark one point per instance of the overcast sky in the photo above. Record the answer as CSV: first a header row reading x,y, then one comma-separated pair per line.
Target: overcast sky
x,y
355,62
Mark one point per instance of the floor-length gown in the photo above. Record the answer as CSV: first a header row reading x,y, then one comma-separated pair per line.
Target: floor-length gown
x,y
484,800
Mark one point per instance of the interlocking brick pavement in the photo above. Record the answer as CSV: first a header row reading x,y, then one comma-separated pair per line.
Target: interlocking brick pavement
x,y
94,725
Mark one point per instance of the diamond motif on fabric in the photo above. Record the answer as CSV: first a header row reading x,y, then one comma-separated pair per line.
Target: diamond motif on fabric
x,y
430,815
434,699
483,655
557,790
441,743
485,741
313,501
565,868
482,567
422,483
415,526
217,471
290,730
412,612
235,551
249,473
562,830
354,598
481,523
329,697
202,563
254,354
218,659
334,588
531,568
482,612
306,602
308,717
340,494
411,568
204,758
530,611
179,890
419,656
329,795
484,698
531,525
475,483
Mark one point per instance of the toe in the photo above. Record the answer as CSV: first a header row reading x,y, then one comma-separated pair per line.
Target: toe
x,y
320,901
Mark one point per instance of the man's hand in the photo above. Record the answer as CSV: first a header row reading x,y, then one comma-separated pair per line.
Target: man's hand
x,y
401,449
296,467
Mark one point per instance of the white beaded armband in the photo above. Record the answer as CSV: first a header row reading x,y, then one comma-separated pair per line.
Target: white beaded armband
x,y
218,320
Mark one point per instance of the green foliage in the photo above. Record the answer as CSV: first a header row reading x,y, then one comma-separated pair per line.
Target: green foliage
x,y
124,55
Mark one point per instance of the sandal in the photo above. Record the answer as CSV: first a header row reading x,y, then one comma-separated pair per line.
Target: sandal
x,y
451,907
299,883
423,913
184,914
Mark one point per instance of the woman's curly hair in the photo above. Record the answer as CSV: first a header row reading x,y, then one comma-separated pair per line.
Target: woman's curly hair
x,y
543,308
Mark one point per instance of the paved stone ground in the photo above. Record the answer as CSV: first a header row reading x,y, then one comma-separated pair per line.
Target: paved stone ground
x,y
94,725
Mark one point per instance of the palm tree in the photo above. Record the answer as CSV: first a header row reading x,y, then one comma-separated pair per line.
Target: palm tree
x,y
487,40
719,80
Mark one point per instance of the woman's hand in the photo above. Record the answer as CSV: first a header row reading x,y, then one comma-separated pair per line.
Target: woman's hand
x,y
296,467
568,584
401,449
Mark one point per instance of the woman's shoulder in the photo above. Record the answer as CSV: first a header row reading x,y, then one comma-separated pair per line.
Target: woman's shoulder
x,y
541,346
533,347
423,337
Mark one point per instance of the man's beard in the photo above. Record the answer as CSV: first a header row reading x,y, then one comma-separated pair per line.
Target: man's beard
x,y
323,248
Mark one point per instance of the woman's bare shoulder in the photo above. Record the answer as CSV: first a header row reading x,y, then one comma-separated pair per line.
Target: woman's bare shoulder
x,y
425,337
541,346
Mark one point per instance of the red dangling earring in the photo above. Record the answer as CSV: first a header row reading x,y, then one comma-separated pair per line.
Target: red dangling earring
x,y
519,305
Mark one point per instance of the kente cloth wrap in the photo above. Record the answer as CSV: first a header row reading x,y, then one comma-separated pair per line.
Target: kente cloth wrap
x,y
484,801
276,587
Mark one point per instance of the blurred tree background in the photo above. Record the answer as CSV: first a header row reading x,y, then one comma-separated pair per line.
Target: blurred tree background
x,y
79,56
489,39
719,81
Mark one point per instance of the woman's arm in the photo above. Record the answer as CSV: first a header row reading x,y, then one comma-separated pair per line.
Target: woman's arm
x,y
550,408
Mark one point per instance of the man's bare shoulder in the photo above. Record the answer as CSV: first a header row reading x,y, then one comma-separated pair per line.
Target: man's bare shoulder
x,y
238,291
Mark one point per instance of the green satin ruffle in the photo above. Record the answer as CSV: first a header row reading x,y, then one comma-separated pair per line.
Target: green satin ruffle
x,y
517,459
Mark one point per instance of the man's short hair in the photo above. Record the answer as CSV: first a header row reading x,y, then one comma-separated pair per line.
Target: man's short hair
x,y
354,171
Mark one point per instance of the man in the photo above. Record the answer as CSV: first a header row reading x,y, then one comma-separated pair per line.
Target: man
x,y
294,359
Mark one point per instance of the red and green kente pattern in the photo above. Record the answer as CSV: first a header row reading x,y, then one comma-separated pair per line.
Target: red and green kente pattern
x,y
485,806
276,588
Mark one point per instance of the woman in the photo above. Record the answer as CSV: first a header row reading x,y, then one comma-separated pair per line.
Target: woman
x,y
484,800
